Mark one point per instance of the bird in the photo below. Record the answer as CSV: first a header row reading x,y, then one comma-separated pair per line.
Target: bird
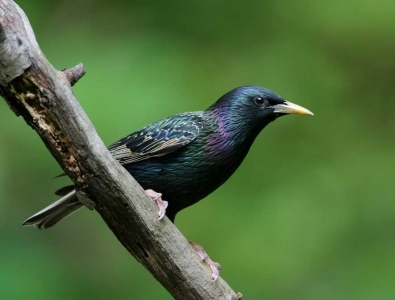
x,y
185,157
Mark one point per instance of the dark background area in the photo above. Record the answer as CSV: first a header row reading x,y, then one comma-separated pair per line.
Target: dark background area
x,y
310,214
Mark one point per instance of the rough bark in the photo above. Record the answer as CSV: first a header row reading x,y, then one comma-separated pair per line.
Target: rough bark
x,y
42,95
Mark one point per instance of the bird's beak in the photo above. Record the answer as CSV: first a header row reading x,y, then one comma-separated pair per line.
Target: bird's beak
x,y
291,108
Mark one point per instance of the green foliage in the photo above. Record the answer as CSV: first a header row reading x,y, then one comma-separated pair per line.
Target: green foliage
x,y
309,214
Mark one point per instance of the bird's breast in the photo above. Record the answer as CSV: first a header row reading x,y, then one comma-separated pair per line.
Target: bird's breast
x,y
191,173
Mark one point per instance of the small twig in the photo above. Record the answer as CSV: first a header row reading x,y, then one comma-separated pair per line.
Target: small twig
x,y
74,74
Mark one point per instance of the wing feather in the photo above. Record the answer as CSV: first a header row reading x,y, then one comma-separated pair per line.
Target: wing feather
x,y
157,139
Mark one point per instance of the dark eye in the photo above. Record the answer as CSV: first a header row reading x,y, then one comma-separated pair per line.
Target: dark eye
x,y
261,101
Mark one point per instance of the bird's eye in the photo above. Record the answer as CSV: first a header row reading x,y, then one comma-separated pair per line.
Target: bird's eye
x,y
261,101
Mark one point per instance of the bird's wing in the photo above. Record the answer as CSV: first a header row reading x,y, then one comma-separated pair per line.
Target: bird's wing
x,y
157,139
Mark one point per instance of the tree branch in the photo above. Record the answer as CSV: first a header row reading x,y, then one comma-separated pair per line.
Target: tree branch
x,y
39,93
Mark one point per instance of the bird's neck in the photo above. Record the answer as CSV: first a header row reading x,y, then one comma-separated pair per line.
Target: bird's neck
x,y
234,135
238,128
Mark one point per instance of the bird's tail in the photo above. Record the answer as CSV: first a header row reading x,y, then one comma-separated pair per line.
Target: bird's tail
x,y
55,212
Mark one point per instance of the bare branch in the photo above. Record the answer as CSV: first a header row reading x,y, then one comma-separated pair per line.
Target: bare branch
x,y
43,96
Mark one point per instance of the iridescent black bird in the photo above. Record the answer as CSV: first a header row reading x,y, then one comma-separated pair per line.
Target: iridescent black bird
x,y
187,156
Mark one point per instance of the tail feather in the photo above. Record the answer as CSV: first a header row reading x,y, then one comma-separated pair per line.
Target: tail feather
x,y
65,190
55,212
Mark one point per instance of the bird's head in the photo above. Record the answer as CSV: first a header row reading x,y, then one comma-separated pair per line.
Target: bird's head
x,y
251,108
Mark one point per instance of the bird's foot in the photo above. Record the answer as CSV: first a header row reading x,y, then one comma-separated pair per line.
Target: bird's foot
x,y
215,267
162,204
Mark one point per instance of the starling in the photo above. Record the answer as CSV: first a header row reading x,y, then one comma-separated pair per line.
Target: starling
x,y
187,156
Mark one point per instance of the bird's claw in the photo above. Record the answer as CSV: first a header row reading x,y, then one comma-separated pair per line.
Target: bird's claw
x,y
162,208
162,204
215,267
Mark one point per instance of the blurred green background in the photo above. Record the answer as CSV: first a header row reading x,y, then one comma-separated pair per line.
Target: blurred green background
x,y
310,214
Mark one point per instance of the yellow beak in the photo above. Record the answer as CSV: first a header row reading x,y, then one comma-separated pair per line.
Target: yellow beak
x,y
291,108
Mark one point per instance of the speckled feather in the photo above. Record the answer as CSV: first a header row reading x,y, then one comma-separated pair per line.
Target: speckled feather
x,y
172,156
159,138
